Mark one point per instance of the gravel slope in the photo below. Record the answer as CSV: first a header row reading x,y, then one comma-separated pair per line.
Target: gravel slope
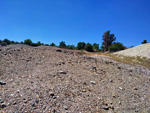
x,y
43,79
141,50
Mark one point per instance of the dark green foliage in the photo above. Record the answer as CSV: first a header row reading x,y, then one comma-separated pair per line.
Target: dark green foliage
x,y
62,44
70,47
89,47
108,40
81,45
46,44
28,42
96,46
6,41
17,43
144,42
52,44
34,44
116,47
39,43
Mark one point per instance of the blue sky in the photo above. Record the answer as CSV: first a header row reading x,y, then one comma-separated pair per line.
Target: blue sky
x,y
73,21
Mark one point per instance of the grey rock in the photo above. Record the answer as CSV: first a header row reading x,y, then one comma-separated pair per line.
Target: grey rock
x,y
2,83
106,108
111,80
62,72
37,101
1,100
33,104
54,97
92,82
52,94
58,50
2,106
66,107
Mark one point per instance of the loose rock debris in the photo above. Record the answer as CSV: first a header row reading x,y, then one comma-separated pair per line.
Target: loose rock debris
x,y
35,82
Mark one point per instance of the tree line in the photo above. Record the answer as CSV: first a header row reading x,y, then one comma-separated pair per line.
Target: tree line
x,y
109,44
62,44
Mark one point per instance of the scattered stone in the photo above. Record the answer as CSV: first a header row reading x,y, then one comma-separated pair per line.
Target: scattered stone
x,y
105,103
120,88
113,96
135,88
54,97
58,50
2,106
111,107
111,80
63,62
14,103
119,103
83,90
1,100
92,82
52,94
130,70
106,108
66,107
2,83
33,104
37,101
92,68
62,72
119,67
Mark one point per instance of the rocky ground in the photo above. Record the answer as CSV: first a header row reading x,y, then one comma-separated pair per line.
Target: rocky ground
x,y
142,50
48,79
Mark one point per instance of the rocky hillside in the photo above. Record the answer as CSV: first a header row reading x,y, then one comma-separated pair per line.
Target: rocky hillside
x,y
48,79
141,50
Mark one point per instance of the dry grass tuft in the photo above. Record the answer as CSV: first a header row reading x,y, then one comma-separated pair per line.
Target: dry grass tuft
x,y
138,60
142,61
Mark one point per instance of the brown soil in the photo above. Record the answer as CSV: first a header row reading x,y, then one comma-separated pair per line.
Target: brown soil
x,y
45,79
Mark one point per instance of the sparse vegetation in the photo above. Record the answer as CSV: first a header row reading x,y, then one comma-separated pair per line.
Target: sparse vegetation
x,y
28,42
143,61
144,42
70,46
116,47
7,42
96,46
62,44
52,44
89,47
108,40
81,45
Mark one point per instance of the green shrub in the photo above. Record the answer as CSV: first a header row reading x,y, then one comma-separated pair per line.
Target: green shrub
x,y
89,47
81,45
96,46
144,42
70,47
28,42
116,47
62,44
52,44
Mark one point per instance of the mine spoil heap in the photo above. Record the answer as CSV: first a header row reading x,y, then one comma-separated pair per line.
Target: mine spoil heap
x,y
49,79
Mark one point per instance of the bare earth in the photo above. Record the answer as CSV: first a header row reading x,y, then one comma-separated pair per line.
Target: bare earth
x,y
141,50
45,79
